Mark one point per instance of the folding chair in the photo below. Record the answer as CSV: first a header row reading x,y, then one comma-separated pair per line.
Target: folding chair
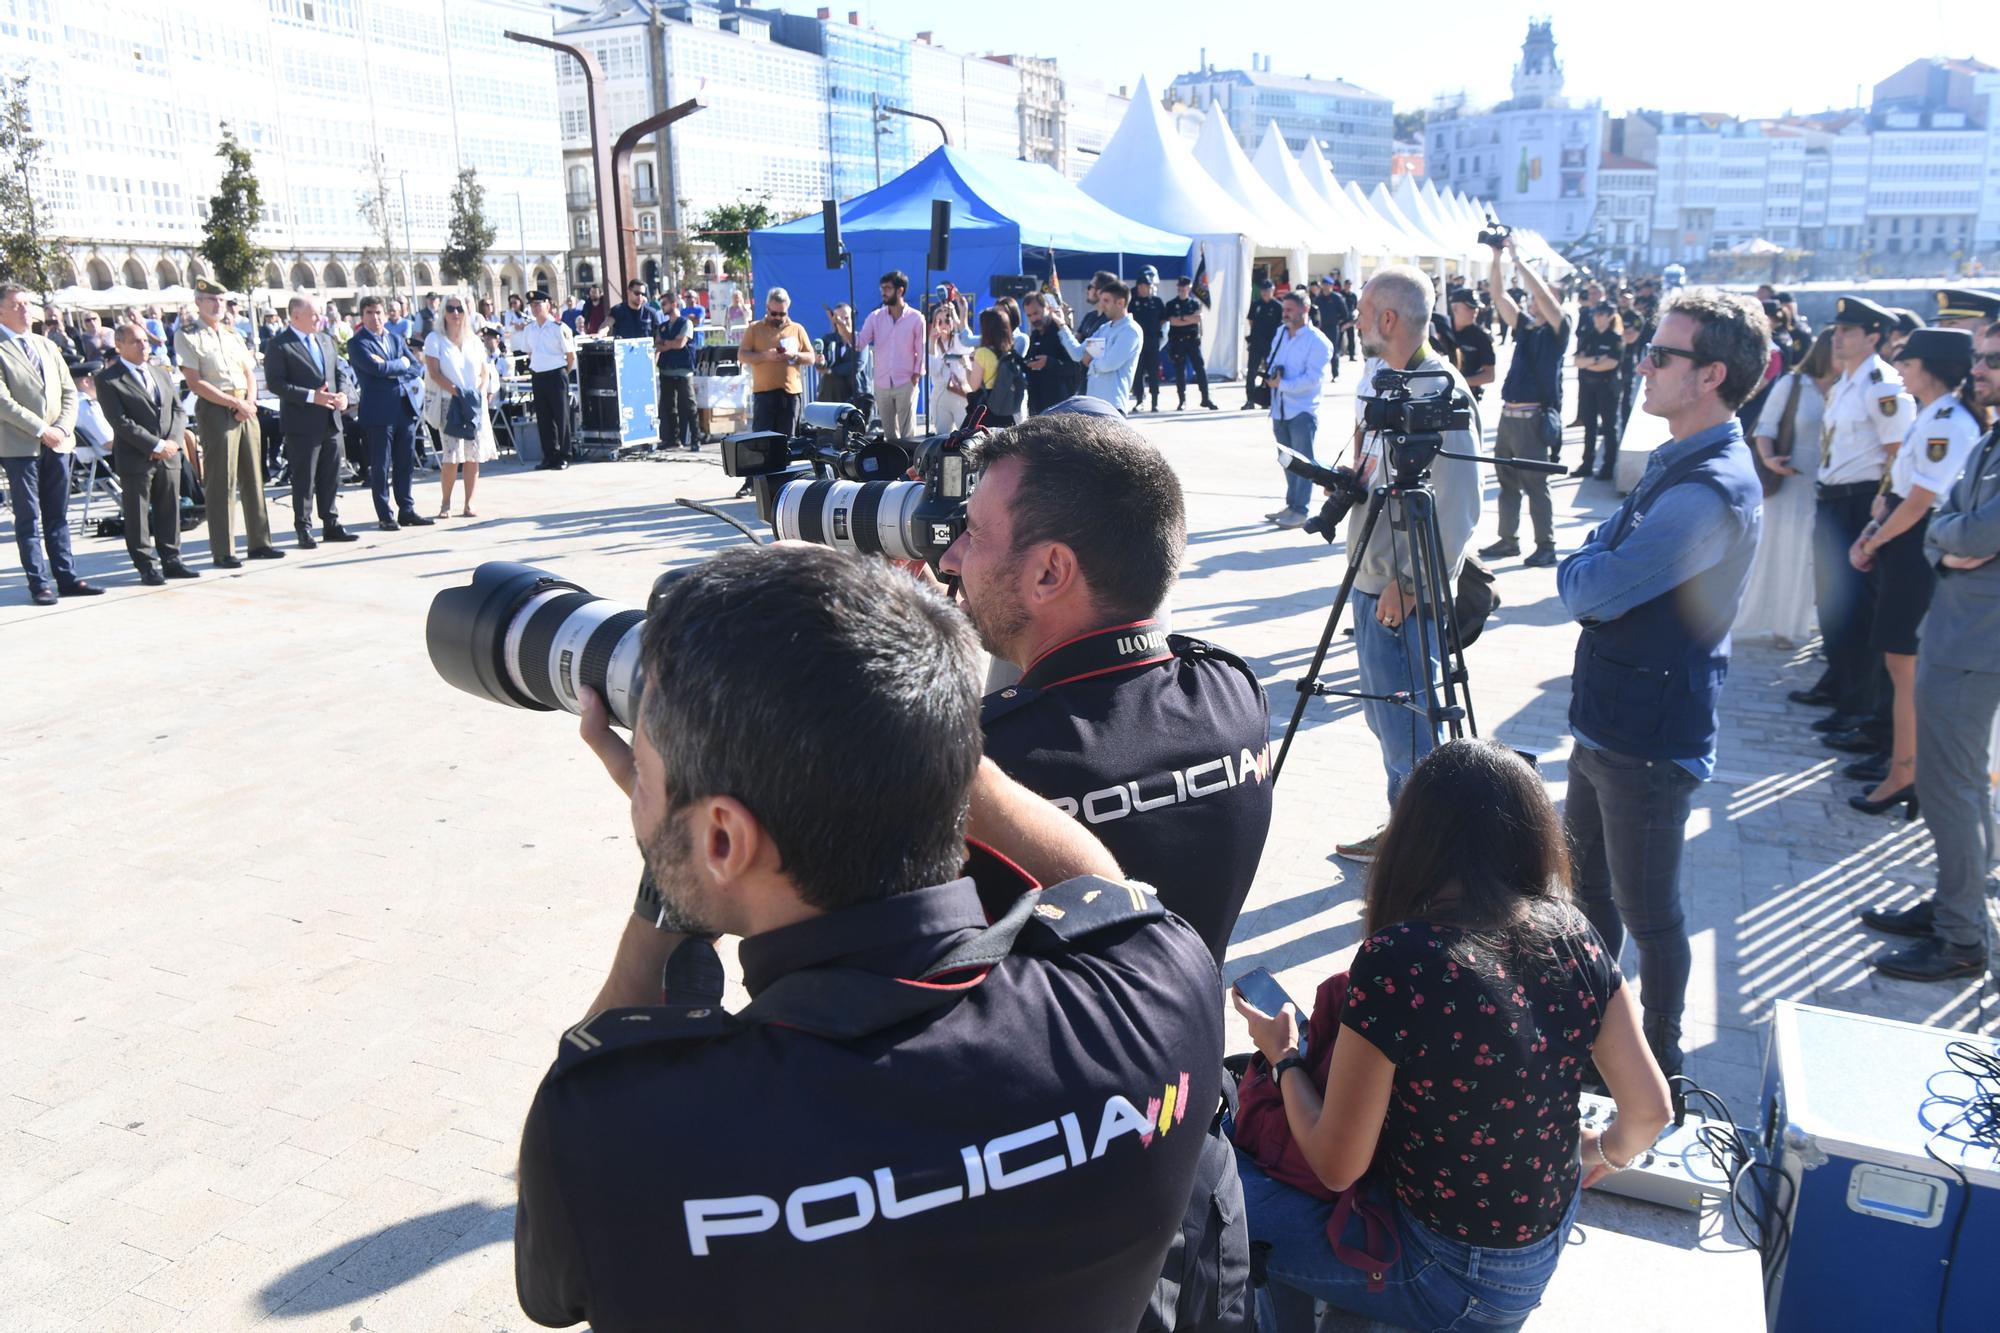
x,y
96,472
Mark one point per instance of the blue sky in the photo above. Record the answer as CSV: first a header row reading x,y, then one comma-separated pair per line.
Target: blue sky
x,y
1752,58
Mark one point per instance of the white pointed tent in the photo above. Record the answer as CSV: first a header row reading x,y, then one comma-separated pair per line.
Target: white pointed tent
x,y
1347,241
1396,242
1147,173
1454,242
1430,251
1284,232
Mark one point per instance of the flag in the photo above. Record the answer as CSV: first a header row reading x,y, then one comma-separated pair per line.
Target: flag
x,y
1201,292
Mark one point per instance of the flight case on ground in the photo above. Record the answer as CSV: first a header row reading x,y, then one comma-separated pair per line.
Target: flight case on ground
x,y
618,396
1850,1102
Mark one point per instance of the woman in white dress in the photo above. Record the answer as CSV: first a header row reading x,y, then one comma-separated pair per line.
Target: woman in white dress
x,y
1778,604
456,363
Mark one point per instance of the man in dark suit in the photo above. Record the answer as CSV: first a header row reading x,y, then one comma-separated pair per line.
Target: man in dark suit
x,y
391,386
149,429
301,368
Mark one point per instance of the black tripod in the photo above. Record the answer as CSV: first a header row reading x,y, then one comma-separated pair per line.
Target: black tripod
x,y
1446,702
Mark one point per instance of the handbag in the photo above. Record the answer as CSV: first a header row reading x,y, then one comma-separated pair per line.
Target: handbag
x,y
1782,445
1263,1132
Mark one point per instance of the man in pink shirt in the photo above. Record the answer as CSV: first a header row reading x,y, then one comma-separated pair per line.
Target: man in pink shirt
x,y
896,332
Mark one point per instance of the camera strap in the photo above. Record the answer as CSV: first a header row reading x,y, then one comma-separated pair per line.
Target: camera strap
x,y
1119,648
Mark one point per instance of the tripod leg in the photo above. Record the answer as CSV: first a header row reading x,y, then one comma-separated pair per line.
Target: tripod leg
x,y
1375,504
1451,650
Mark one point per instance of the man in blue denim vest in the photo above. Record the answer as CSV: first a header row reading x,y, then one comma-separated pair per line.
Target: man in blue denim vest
x,y
1656,589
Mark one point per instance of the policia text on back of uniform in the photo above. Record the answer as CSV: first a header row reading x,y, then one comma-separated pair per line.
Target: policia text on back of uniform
x,y
890,1135
1159,743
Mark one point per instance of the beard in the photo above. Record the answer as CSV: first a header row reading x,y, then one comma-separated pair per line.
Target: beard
x,y
998,615
1371,345
668,850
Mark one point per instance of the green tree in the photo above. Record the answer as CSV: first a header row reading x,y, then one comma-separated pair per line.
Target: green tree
x,y
1410,124
28,253
234,211
728,227
470,235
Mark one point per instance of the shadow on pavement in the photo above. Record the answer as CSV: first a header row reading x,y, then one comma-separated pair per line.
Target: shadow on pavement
x,y
367,1266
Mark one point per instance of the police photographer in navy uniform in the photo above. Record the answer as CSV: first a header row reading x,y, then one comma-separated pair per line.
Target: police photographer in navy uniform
x,y
893,1124
1156,741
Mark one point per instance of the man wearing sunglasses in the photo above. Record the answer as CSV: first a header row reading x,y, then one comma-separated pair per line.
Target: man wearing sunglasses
x,y
1656,589
1867,415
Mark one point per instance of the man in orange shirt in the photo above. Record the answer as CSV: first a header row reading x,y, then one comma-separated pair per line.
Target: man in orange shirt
x,y
774,348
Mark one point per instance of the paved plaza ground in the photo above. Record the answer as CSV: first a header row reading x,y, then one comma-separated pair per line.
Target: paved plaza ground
x,y
289,929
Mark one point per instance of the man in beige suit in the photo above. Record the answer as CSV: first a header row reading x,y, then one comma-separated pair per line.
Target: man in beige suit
x,y
223,376
149,428
37,435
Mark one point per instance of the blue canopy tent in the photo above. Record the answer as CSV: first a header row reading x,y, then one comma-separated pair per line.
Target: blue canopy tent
x,y
1006,217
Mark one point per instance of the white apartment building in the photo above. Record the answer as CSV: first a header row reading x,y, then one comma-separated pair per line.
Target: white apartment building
x,y
131,99
1625,190
1535,156
978,100
760,137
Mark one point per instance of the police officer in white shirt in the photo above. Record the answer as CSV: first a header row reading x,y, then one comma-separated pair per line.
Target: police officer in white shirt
x,y
551,349
1867,414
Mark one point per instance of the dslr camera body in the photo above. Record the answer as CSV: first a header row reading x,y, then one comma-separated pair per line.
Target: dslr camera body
x,y
837,485
1495,233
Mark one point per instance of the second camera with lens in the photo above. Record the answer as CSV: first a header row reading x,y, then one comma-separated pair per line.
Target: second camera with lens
x,y
836,486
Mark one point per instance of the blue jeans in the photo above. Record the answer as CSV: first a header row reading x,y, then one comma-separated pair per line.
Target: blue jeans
x,y
38,486
1388,661
392,449
1436,1283
1296,433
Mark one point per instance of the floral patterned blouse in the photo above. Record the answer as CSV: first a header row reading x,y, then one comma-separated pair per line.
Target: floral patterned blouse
x,y
1481,1137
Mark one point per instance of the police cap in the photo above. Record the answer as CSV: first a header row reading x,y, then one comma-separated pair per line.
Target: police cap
x,y
1863,314
1183,281
1937,345
1959,303
1907,321
538,295
1463,296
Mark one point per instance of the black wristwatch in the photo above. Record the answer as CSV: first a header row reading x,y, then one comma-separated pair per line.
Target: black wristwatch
x,y
1289,1062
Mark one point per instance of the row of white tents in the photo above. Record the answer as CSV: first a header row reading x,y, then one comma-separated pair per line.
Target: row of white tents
x,y
1283,207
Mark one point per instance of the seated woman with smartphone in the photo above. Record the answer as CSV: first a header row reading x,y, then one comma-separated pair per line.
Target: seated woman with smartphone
x,y
1449,1101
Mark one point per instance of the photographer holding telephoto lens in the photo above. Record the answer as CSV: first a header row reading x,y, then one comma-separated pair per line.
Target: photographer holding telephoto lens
x,y
891,1129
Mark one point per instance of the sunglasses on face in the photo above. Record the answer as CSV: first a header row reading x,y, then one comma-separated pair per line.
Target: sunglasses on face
x,y
1991,360
1660,356
454,310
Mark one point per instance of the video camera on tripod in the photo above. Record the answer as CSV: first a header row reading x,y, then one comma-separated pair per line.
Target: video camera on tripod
x,y
837,485
1412,427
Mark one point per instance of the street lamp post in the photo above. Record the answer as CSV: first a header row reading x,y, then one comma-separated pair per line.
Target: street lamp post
x,y
409,247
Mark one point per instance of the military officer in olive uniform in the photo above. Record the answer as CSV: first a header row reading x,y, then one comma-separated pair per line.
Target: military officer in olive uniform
x,y
1867,415
223,375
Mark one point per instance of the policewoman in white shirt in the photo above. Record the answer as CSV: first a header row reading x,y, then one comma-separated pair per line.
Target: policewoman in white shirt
x,y
1936,365
1867,413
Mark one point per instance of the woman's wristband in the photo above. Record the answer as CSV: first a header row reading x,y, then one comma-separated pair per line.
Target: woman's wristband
x,y
1292,1061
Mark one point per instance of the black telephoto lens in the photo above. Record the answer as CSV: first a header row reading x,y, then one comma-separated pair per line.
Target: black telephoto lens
x,y
523,637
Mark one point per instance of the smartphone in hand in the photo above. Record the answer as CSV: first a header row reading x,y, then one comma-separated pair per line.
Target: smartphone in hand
x,y
1262,990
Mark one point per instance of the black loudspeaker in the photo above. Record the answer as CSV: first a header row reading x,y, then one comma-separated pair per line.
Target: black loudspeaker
x,y
940,235
1020,286
829,212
